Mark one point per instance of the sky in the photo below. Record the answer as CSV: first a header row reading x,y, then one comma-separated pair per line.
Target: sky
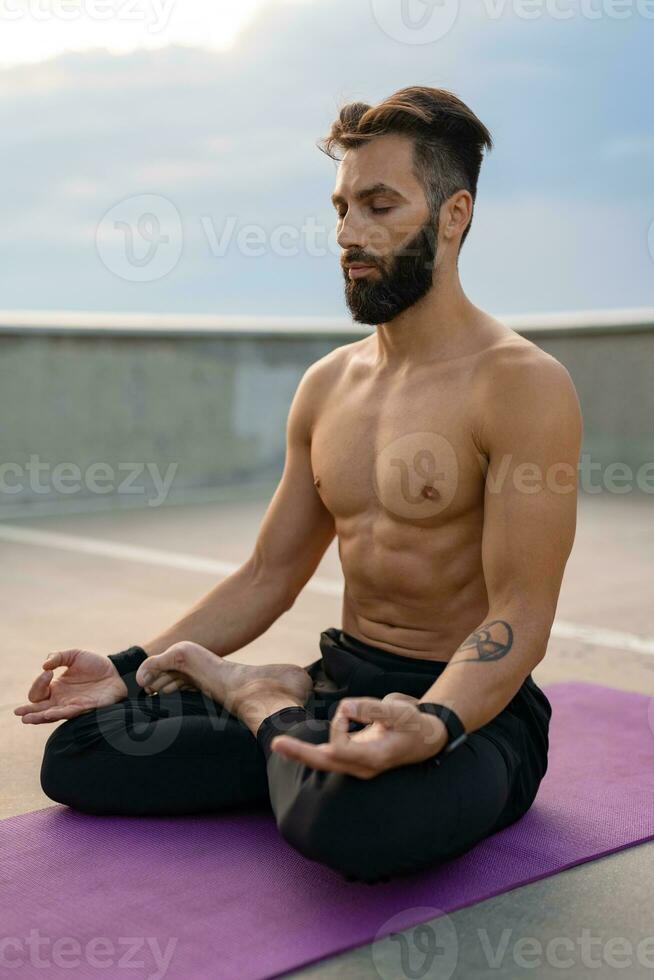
x,y
160,155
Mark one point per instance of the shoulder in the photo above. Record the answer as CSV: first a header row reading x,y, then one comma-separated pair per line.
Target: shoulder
x,y
514,366
519,385
317,380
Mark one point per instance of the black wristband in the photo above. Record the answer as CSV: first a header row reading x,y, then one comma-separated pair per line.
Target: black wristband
x,y
456,732
127,662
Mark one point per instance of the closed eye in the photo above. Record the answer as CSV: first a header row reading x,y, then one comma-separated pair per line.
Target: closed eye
x,y
380,210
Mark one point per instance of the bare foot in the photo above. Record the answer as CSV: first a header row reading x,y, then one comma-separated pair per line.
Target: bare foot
x,y
225,681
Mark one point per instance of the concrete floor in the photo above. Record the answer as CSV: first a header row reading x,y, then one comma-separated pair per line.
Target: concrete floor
x,y
57,595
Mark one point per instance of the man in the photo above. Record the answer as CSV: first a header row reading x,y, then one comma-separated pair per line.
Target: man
x,y
442,452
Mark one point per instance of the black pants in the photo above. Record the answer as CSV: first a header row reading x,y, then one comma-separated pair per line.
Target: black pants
x,y
184,753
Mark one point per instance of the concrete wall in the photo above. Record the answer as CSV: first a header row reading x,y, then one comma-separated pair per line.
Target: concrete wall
x,y
128,410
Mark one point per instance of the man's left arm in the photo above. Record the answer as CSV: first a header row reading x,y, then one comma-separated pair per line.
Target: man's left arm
x,y
530,442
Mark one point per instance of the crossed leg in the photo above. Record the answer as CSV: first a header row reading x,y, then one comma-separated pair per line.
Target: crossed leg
x,y
172,754
402,820
184,752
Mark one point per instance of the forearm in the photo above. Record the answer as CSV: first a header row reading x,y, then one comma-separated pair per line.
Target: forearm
x,y
232,614
489,667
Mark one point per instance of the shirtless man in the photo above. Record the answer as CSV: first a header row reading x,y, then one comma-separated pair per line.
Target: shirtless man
x,y
442,451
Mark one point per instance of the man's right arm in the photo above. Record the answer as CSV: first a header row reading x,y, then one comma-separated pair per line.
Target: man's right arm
x,y
294,534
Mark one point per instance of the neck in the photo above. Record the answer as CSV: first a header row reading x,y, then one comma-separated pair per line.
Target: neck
x,y
441,325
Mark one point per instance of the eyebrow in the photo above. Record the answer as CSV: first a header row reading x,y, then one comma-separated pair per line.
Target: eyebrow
x,y
379,188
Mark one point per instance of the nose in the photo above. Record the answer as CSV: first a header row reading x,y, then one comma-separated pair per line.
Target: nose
x,y
349,234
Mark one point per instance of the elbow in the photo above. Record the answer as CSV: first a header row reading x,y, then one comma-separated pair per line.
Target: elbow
x,y
271,582
527,627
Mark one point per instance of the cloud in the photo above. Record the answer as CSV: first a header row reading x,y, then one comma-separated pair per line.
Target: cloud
x,y
228,137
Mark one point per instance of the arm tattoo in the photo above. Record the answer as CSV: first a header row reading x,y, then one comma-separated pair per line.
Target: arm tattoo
x,y
492,641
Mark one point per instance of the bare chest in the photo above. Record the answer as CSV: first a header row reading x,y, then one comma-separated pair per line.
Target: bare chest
x,y
406,452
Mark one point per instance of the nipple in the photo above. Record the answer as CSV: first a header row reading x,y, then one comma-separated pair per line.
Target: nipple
x,y
431,492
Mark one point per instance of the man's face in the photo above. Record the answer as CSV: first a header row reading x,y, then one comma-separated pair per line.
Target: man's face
x,y
385,229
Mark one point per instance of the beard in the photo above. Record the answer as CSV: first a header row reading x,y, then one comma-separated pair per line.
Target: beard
x,y
409,277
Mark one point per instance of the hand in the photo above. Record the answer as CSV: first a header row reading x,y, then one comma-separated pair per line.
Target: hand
x,y
398,734
90,681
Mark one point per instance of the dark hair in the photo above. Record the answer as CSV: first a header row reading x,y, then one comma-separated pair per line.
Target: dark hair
x,y
449,139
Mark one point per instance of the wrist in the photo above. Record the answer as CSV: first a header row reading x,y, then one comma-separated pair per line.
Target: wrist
x,y
127,662
455,730
434,734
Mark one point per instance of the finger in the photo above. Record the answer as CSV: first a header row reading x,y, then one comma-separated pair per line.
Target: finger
x,y
26,709
339,726
40,689
61,658
316,756
365,709
398,696
65,711
35,718
393,712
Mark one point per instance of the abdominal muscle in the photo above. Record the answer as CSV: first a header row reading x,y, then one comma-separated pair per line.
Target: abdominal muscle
x,y
417,603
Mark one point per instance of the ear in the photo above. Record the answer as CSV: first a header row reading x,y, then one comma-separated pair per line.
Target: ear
x,y
456,215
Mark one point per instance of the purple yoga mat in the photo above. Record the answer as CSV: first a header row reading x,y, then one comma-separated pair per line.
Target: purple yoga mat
x,y
224,896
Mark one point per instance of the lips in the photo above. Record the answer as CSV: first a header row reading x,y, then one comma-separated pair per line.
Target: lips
x,y
357,269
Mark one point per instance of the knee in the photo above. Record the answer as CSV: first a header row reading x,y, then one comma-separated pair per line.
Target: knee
x,y
333,821
56,767
69,767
